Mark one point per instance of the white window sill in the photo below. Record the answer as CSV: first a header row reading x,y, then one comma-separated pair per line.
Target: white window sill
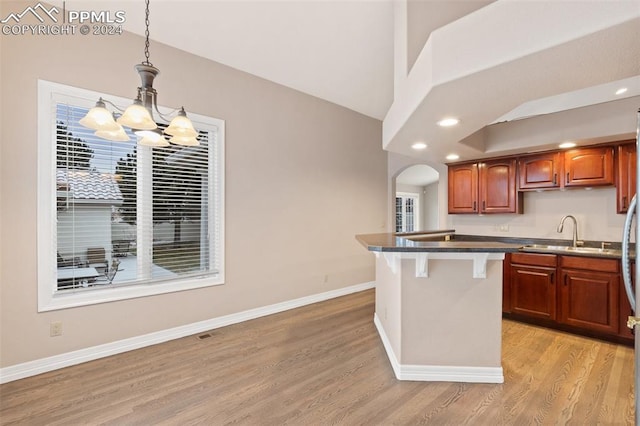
x,y
105,294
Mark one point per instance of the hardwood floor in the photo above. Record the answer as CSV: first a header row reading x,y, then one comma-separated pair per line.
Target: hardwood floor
x,y
325,364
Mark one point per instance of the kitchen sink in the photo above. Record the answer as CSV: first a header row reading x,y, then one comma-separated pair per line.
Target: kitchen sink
x,y
572,250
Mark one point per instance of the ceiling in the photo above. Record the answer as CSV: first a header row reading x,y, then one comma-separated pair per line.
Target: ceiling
x,y
337,50
340,51
520,76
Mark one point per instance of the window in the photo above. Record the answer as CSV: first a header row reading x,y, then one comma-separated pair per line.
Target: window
x,y
119,216
406,212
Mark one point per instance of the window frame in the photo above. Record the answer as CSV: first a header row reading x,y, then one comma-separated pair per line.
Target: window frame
x,y
49,298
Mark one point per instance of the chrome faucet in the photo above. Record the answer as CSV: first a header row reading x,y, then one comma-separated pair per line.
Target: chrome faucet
x,y
575,241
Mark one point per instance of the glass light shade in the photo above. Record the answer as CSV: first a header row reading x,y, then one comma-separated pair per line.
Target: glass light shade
x,y
151,138
137,116
99,118
185,140
155,144
181,126
116,135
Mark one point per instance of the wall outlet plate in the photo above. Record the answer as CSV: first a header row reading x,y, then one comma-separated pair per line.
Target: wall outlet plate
x,y
55,329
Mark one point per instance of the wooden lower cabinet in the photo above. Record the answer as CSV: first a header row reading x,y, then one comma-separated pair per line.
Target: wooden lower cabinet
x,y
625,308
625,313
533,285
573,293
589,300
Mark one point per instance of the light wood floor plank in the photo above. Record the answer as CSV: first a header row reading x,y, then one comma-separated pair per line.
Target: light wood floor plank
x,y
324,364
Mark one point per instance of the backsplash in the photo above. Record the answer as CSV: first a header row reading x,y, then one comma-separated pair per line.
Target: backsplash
x,y
594,209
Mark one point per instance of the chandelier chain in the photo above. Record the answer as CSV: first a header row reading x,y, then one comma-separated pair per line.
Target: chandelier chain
x,y
139,116
146,33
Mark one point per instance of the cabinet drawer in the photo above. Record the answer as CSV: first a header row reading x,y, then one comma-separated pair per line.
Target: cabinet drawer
x,y
590,263
534,259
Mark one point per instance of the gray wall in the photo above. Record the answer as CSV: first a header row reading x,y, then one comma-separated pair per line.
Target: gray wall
x,y
594,209
430,206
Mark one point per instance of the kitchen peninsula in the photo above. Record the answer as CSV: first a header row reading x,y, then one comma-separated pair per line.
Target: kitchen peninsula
x,y
440,297
439,305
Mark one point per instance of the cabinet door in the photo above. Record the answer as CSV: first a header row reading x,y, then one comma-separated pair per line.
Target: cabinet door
x,y
533,291
625,307
506,283
540,171
463,188
588,167
625,313
497,187
626,176
589,300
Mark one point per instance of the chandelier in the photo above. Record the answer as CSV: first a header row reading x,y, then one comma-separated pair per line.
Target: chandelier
x,y
139,115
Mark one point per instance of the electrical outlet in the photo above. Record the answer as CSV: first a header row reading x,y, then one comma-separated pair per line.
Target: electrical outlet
x,y
326,279
504,228
55,328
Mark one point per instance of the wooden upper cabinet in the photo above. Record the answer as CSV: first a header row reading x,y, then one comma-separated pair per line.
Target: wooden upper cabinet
x,y
488,187
463,188
626,176
588,167
540,171
497,187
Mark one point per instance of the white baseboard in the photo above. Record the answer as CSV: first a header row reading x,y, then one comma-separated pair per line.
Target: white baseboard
x,y
395,365
32,368
437,373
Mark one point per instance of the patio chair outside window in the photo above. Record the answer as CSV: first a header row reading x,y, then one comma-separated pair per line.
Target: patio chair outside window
x,y
97,258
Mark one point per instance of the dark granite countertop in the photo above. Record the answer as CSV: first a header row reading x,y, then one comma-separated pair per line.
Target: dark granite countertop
x,y
448,241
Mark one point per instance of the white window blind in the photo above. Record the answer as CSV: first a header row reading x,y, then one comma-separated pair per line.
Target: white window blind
x,y
127,214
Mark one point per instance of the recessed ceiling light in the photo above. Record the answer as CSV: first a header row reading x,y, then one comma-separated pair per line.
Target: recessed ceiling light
x,y
621,91
565,145
419,145
452,157
448,122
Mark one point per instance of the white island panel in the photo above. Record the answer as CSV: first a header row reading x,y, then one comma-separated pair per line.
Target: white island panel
x,y
445,326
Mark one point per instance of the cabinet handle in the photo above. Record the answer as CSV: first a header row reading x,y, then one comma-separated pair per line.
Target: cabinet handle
x,y
551,278
484,206
565,279
567,177
624,202
555,178
474,206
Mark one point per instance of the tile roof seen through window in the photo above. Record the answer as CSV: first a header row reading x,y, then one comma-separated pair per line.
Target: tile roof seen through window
x,y
89,185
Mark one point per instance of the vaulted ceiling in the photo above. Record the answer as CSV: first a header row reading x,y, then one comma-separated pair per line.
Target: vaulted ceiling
x,y
343,51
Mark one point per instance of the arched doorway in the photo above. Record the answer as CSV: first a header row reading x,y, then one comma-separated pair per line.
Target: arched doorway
x,y
416,199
